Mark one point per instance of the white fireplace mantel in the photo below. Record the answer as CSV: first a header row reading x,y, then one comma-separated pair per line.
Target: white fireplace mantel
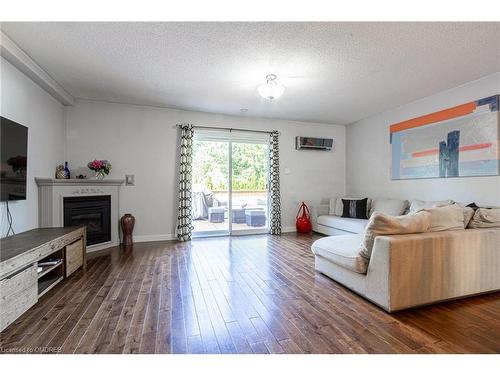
x,y
77,181
51,193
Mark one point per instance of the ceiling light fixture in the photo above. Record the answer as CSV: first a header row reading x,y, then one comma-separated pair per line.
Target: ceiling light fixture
x,y
272,89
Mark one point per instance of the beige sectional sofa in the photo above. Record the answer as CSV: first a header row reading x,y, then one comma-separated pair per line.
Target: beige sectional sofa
x,y
415,269
408,270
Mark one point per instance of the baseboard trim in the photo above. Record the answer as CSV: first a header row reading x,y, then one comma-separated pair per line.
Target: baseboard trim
x,y
170,237
154,237
144,238
102,246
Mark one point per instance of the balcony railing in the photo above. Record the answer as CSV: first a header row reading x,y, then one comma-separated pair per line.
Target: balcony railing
x,y
243,197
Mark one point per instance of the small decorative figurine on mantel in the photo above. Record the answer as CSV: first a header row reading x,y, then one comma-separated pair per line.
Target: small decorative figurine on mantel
x,y
60,174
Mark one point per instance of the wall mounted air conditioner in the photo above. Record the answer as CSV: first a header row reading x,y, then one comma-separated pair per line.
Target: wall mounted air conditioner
x,y
309,143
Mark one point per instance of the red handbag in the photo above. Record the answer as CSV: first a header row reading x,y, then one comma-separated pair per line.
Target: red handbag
x,y
303,220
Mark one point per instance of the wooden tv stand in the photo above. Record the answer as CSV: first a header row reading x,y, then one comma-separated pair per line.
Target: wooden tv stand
x,y
22,283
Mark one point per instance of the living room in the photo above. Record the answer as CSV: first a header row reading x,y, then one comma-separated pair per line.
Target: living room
x,y
250,187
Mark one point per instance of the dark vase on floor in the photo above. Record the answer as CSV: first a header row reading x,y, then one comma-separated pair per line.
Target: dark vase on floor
x,y
127,223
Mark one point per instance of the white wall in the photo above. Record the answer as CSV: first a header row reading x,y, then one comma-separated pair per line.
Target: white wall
x,y
26,103
369,152
142,140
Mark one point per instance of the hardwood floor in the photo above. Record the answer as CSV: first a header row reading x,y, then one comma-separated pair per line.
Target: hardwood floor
x,y
251,294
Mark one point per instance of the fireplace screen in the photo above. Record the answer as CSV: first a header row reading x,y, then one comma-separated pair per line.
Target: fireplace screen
x,y
92,211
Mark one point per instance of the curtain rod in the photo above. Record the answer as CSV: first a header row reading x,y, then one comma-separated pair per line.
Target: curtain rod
x,y
230,129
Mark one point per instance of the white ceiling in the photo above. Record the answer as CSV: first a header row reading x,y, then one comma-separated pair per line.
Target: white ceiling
x,y
333,72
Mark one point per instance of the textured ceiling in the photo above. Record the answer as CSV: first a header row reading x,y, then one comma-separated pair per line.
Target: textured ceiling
x,y
333,72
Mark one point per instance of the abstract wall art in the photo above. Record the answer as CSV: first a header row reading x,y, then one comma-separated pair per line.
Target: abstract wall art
x,y
455,142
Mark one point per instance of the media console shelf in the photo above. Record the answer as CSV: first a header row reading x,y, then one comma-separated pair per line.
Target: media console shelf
x,y
33,262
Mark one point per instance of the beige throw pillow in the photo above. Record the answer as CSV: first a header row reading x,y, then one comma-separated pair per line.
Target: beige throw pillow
x,y
446,218
382,224
417,205
394,207
486,218
332,203
468,215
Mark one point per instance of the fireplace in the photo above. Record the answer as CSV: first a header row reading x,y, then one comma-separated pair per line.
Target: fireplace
x,y
81,194
94,211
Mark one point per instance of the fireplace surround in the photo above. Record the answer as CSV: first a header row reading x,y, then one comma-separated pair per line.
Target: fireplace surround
x,y
72,202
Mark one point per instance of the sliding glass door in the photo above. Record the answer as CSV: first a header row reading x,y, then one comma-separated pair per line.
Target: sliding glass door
x,y
249,186
210,190
230,183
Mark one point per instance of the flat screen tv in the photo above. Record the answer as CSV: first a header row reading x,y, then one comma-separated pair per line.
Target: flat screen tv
x,y
14,158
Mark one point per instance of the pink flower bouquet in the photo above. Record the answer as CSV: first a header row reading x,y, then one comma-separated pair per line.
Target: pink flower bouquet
x,y
100,167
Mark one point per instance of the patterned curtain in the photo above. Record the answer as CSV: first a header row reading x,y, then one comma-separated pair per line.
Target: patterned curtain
x,y
274,183
184,218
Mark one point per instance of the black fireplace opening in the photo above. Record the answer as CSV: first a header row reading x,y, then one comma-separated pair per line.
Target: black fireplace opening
x,y
92,211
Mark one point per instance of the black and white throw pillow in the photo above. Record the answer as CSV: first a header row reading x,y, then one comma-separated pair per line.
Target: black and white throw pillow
x,y
355,208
